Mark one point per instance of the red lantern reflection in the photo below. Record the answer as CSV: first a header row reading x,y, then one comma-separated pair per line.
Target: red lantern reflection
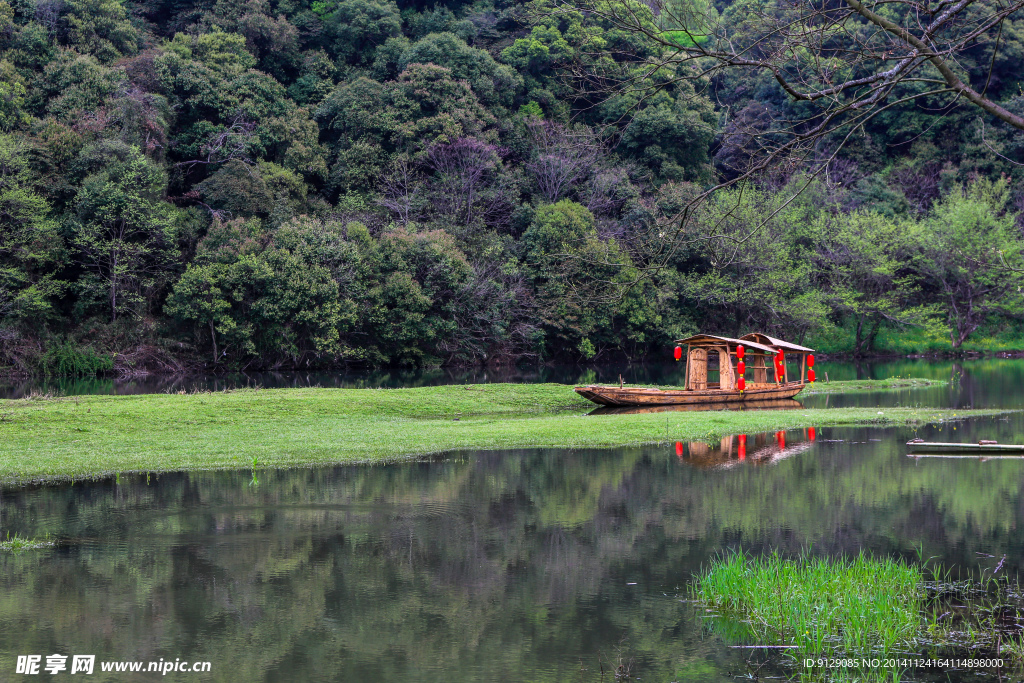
x,y
810,434
679,448
743,447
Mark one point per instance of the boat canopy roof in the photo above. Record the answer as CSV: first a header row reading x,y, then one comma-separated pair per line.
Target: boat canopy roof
x,y
754,340
712,340
778,343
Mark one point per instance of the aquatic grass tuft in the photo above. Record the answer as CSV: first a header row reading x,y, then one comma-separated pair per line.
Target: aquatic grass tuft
x,y
984,614
18,542
817,606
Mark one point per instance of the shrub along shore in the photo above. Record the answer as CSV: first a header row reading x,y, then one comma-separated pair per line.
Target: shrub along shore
x,y
89,436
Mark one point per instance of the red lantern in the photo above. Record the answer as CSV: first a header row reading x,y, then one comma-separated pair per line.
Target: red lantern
x,y
810,360
810,433
743,447
679,352
740,351
741,384
679,448
741,367
810,375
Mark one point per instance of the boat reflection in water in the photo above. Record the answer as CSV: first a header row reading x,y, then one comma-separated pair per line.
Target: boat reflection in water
x,y
784,404
759,449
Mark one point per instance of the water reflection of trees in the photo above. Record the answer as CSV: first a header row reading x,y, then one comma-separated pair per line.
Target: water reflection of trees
x,y
499,565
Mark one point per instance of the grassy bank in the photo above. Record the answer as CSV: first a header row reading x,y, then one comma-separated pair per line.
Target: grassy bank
x,y
95,435
857,385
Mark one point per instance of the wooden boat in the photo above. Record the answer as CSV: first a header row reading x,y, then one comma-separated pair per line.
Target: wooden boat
x,y
980,448
766,384
776,404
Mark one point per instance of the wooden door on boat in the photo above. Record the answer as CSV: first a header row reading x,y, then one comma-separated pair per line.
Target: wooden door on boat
x,y
697,369
726,376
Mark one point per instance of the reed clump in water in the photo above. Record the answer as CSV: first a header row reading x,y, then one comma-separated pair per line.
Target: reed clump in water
x,y
18,542
862,607
817,606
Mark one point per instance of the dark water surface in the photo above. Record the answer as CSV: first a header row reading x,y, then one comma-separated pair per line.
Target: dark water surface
x,y
634,373
525,565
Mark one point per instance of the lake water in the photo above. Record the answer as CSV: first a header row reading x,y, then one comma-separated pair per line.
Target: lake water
x,y
637,373
528,565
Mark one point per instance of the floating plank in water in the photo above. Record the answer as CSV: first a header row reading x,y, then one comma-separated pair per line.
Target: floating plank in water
x,y
983,447
979,456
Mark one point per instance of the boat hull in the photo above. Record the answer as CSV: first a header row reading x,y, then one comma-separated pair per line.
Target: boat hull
x,y
775,404
637,396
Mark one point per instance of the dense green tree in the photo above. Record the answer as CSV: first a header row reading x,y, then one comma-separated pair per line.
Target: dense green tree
x,y
12,97
272,40
31,248
971,254
358,27
73,86
753,275
100,28
250,297
492,83
864,260
124,236
572,268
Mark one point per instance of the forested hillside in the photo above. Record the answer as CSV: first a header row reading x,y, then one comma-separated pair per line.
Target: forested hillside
x,y
252,184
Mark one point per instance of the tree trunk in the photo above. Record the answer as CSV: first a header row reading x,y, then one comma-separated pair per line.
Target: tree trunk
x,y
874,333
858,341
213,338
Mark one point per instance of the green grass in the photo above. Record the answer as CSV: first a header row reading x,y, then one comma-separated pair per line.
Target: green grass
x,y
101,435
822,606
856,385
